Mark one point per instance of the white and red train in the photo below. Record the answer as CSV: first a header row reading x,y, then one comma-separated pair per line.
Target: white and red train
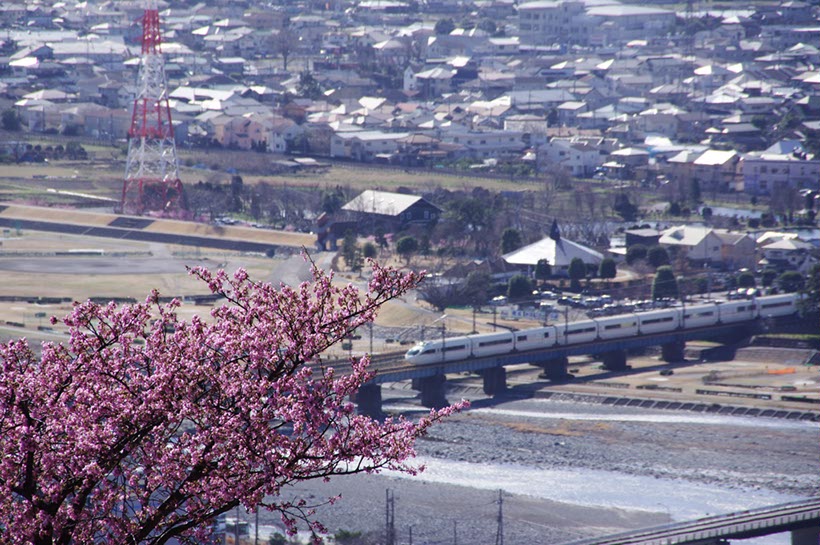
x,y
603,328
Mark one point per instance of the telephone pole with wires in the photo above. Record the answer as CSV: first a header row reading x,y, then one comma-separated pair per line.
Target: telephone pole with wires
x,y
389,518
499,534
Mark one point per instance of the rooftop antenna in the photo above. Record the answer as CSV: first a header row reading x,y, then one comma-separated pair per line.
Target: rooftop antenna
x,y
151,182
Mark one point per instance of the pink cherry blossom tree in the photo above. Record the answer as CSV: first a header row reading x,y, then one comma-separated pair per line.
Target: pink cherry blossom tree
x,y
143,427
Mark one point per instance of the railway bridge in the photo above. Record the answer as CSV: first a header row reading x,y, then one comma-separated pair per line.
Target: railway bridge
x,y
801,518
430,379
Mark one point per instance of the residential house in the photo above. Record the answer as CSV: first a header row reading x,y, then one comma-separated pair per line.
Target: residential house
x,y
430,83
716,170
487,144
282,132
645,236
737,250
365,145
706,246
96,121
659,120
788,254
246,132
579,158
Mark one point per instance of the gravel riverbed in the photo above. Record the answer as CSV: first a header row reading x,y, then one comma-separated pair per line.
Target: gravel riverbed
x,y
746,454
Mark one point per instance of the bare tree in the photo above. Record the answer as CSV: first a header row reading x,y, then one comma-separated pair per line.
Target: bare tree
x,y
283,44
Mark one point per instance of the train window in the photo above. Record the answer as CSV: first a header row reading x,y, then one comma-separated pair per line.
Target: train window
x,y
583,330
699,314
773,305
521,338
456,347
741,308
613,326
429,351
657,320
496,342
546,334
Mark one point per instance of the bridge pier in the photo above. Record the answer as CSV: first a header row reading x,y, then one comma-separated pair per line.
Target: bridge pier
x,y
369,400
555,369
495,380
806,536
614,360
673,352
432,391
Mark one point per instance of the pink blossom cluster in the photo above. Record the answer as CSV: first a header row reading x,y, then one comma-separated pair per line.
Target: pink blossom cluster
x,y
143,427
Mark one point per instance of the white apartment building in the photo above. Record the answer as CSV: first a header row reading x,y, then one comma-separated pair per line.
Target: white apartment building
x,y
765,173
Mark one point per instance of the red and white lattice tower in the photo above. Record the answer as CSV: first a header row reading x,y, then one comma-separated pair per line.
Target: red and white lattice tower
x,y
152,181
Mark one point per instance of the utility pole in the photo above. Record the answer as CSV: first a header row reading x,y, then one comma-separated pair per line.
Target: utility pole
x,y
236,527
389,518
499,534
455,532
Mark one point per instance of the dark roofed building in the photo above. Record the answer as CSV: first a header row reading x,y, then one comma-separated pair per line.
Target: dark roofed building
x,y
390,211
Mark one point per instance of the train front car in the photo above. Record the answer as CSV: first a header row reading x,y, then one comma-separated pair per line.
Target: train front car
x,y
424,352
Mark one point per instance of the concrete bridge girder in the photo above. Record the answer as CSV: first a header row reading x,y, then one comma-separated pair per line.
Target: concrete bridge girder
x,y
554,369
433,391
369,400
614,360
495,380
806,536
673,351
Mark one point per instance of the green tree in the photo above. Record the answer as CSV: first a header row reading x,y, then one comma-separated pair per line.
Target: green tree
x,y
811,303
369,250
406,247
624,208
510,240
346,537
746,279
577,271
790,281
488,26
543,270
444,26
665,285
519,287
694,191
607,269
767,277
424,245
351,251
332,201
635,253
707,213
308,86
674,209
381,240
657,256
474,215
10,121
476,288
